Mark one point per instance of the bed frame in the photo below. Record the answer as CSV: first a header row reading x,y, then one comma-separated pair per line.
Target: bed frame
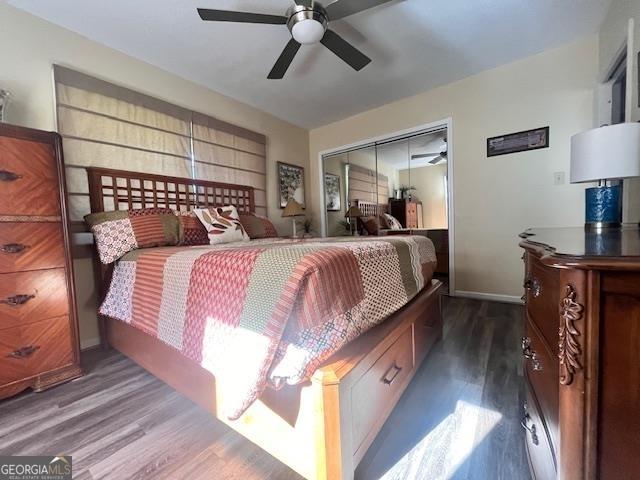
x,y
321,428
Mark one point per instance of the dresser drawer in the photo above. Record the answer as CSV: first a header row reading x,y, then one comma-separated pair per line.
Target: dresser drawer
x,y
542,370
30,246
375,393
30,296
35,348
28,178
542,457
542,295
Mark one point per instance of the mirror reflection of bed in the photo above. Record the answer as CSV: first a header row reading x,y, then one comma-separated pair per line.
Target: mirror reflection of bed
x,y
392,188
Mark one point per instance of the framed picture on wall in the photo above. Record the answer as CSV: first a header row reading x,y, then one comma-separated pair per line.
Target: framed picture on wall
x,y
332,192
290,183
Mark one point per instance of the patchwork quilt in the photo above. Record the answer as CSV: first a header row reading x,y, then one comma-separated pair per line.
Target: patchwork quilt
x,y
268,311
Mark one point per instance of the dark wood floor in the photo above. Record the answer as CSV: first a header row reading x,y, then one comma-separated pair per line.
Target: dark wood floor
x,y
459,418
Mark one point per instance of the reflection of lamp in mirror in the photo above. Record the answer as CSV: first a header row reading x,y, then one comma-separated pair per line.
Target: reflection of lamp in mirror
x,y
293,209
5,97
353,212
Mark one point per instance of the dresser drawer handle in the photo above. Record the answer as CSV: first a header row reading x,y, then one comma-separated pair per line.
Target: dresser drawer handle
x,y
530,354
531,430
24,352
391,374
7,176
533,286
13,247
17,300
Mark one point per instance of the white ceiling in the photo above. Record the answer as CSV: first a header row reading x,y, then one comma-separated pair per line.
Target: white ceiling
x,y
415,45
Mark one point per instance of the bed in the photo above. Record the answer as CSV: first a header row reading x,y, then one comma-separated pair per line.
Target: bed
x,y
319,417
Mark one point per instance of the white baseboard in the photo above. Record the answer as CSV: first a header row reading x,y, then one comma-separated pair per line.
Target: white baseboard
x,y
494,297
89,343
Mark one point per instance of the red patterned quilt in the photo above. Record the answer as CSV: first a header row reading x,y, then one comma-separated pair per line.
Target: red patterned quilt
x,y
266,311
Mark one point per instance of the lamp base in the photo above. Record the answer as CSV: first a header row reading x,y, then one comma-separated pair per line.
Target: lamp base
x,y
603,207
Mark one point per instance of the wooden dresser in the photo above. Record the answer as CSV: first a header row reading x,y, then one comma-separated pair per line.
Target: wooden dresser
x,y
582,353
38,323
408,213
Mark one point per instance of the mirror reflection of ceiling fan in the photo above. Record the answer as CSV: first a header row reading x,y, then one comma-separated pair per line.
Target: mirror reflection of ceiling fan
x,y
308,23
438,157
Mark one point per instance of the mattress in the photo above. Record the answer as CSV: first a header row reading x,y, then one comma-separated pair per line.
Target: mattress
x,y
270,311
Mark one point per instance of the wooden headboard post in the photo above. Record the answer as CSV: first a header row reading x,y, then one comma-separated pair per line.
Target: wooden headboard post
x,y
111,189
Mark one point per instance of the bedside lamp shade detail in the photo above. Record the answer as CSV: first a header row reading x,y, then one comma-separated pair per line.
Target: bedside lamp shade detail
x,y
600,154
293,209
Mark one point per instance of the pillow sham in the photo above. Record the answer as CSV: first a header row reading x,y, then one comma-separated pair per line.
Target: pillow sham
x,y
257,226
122,231
192,231
393,222
222,224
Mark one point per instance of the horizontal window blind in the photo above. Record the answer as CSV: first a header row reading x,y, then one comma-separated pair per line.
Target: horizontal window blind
x,y
106,125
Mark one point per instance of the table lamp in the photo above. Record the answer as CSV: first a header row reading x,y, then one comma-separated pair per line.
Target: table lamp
x,y
293,209
601,155
354,212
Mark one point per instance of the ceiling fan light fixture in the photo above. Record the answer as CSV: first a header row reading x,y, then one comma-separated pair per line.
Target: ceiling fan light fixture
x,y
308,31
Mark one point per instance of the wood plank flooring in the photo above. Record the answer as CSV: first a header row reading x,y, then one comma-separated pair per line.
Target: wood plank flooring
x,y
459,418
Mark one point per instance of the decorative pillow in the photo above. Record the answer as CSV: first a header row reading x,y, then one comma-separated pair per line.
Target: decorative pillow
x,y
370,224
257,226
192,232
393,222
383,222
222,224
121,231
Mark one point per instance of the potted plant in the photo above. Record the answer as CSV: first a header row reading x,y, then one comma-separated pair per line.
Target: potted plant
x,y
405,192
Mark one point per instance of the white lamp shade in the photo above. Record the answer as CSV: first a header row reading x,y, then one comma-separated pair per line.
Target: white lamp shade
x,y
606,153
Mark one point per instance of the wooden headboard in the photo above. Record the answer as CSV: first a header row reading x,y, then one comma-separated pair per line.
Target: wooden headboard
x,y
122,190
371,209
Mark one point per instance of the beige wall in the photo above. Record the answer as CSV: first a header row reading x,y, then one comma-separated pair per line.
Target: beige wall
x,y
612,36
495,198
430,190
28,47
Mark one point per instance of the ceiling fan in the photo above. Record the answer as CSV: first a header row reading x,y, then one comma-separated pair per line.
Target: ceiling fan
x,y
308,23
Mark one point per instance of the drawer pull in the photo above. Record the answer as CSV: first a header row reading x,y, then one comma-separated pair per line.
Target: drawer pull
x,y
391,374
7,176
13,248
17,300
533,286
24,352
532,429
529,353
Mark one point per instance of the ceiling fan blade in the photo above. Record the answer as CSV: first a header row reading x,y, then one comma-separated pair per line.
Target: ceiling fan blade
x,y
343,49
241,17
423,155
436,160
284,60
344,8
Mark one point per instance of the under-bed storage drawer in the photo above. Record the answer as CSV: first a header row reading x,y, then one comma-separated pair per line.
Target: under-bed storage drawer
x,y
34,349
376,392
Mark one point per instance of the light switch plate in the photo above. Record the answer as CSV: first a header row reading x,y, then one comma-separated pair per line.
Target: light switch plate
x,y
558,178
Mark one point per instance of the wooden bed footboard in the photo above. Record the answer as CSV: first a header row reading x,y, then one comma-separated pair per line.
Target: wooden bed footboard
x,y
320,429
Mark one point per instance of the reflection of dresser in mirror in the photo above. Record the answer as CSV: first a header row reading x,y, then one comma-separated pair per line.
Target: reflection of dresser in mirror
x,y
408,212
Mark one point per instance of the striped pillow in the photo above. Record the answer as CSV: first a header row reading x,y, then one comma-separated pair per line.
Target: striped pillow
x,y
192,232
257,226
121,231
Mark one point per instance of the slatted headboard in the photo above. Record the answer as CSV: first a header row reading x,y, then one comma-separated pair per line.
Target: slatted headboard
x,y
122,190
